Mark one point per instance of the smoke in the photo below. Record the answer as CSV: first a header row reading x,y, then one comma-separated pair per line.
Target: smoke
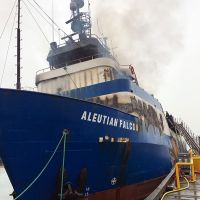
x,y
146,33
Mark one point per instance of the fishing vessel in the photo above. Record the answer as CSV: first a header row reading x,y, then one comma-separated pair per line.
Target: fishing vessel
x,y
89,132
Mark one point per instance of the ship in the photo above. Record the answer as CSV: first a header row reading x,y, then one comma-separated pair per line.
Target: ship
x,y
89,132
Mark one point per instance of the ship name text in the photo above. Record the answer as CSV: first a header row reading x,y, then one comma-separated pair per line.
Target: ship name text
x,y
109,121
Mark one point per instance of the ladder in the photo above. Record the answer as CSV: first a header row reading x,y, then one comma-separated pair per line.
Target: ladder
x,y
178,126
188,137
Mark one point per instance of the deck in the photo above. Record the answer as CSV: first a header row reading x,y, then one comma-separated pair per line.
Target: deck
x,y
192,193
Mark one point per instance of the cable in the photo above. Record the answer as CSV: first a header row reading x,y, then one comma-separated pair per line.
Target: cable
x,y
72,81
42,171
63,166
42,16
71,78
53,35
7,20
36,21
177,190
53,21
8,47
48,16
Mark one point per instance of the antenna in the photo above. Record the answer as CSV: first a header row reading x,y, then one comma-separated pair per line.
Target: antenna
x,y
80,21
18,85
100,29
89,11
53,36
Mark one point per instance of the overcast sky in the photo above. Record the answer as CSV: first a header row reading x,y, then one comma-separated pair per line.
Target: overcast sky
x,y
160,37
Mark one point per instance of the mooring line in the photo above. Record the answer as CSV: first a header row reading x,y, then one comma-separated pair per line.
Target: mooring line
x,y
45,167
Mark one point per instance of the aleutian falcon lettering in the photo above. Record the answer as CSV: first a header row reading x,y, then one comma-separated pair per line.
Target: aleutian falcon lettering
x,y
107,120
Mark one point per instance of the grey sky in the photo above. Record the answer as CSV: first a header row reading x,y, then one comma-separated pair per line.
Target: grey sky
x,y
174,79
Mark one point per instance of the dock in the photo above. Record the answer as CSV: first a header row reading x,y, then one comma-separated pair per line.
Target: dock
x,y
183,182
192,193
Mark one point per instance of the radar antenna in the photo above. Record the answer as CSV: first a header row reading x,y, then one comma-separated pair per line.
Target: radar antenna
x,y
80,21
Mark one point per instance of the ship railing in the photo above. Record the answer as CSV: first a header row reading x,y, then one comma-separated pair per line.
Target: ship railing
x,y
192,139
83,59
101,41
186,127
33,89
179,121
43,70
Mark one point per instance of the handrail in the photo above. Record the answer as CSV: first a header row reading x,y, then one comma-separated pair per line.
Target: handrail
x,y
85,58
42,70
74,61
180,127
189,139
29,89
94,36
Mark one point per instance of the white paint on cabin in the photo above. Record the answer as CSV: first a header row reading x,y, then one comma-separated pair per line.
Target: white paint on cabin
x,y
76,76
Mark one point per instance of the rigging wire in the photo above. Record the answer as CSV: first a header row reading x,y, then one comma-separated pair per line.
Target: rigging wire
x,y
63,165
100,29
43,170
76,94
42,15
89,10
5,63
71,79
4,28
74,82
53,36
36,21
53,21
49,17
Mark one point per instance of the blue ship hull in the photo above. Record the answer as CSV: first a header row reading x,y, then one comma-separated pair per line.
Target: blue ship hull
x,y
31,125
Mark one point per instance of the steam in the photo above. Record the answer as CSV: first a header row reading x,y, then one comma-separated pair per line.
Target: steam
x,y
146,33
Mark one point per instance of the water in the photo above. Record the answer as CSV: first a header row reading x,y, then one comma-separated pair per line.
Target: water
x,y
5,186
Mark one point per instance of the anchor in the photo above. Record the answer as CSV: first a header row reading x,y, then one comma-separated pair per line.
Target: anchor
x,y
68,192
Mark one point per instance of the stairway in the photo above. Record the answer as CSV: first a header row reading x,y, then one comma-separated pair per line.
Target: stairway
x,y
178,126
188,137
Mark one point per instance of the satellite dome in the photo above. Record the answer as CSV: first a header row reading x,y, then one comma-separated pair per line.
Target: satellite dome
x,y
73,5
80,3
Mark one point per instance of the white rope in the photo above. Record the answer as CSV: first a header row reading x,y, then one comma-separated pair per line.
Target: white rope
x,y
63,166
38,176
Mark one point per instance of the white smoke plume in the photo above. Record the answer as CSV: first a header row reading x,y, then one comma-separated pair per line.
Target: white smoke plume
x,y
146,33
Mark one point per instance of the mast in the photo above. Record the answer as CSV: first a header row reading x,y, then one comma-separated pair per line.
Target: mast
x,y
18,85
80,21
